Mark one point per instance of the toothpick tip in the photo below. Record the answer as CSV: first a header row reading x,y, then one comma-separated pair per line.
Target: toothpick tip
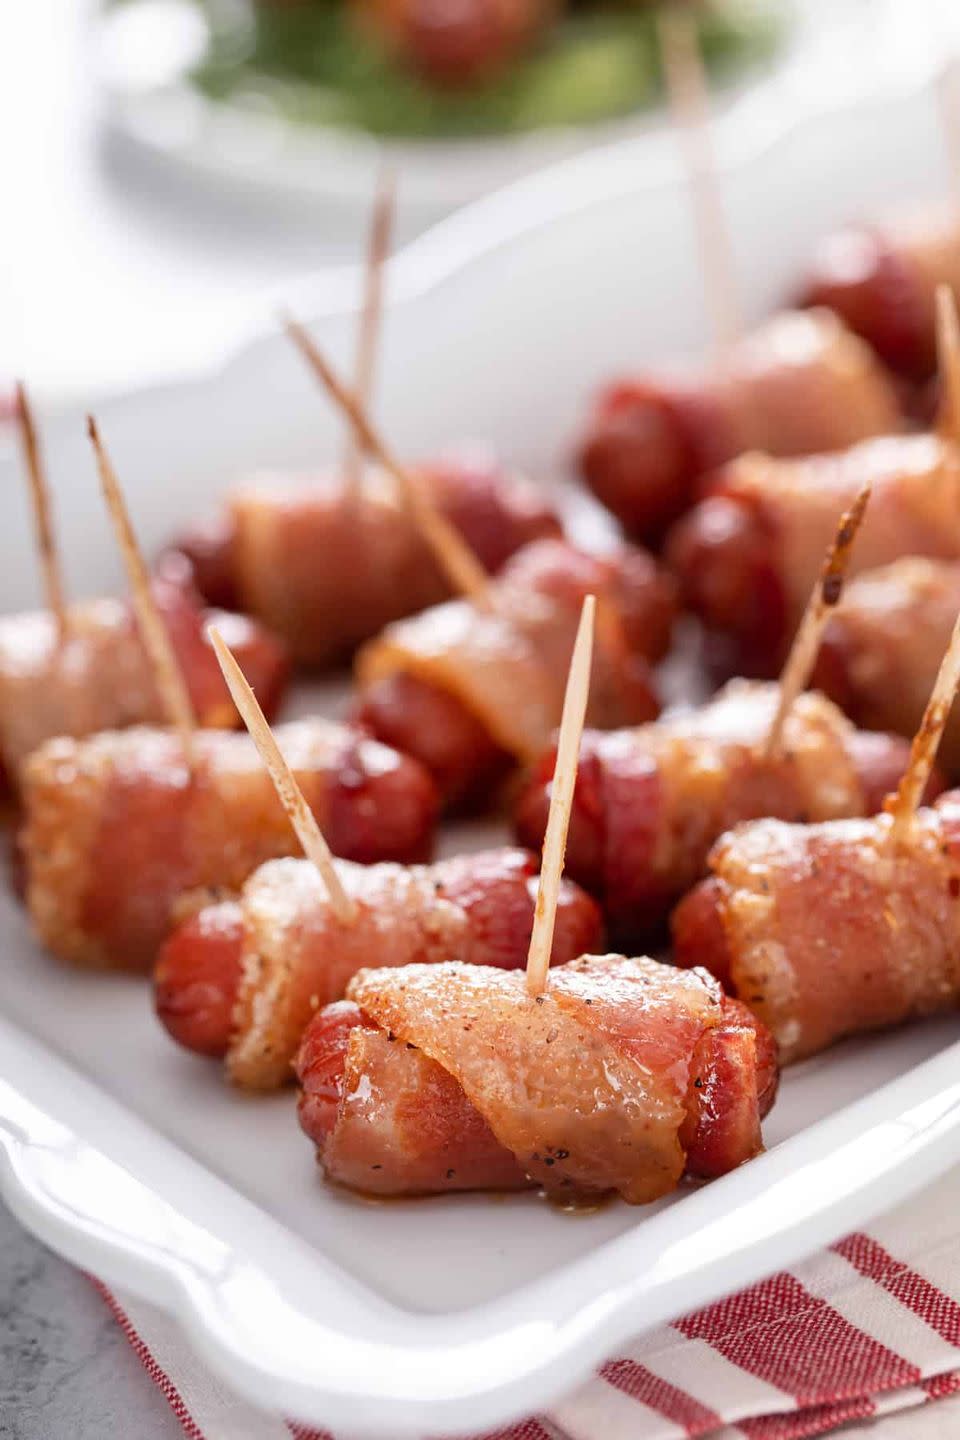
x,y
43,523
167,668
824,598
458,561
289,793
903,804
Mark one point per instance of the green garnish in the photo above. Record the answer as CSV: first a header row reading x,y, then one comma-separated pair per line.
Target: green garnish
x,y
311,63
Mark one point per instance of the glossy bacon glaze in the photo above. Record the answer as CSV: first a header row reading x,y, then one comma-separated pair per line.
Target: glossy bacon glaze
x,y
620,1077
748,554
499,673
884,644
98,677
650,802
327,570
243,980
827,930
418,718
882,283
801,384
115,828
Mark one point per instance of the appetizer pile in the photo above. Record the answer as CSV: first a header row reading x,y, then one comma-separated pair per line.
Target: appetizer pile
x,y
792,854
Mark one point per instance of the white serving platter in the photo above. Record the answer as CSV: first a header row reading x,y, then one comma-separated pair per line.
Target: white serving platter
x,y
445,1316
143,52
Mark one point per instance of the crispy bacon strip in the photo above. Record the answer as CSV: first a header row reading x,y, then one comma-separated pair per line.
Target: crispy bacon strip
x,y
748,554
650,802
287,551
96,675
243,981
455,1077
799,385
828,930
115,829
506,666
882,647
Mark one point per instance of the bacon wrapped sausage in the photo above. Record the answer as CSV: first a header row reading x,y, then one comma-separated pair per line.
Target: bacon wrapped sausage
x,y
882,282
241,980
801,384
471,691
98,676
828,930
880,654
650,802
748,554
622,1076
327,569
115,828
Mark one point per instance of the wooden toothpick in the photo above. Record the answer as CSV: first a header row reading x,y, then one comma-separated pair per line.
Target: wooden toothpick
x,y
823,600
923,752
368,330
291,797
561,801
689,97
53,588
168,675
948,358
462,568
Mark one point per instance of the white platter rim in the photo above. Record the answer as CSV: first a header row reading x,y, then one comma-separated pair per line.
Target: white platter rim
x,y
867,1158
216,138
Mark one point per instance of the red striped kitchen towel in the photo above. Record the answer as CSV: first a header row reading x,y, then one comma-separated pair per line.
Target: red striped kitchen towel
x,y
864,1335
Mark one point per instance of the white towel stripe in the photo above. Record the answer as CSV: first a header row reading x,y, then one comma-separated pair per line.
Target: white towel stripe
x,y
904,1399
598,1409
878,1313
924,1235
694,1366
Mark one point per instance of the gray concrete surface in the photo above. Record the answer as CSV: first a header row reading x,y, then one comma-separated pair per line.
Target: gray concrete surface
x,y
65,1368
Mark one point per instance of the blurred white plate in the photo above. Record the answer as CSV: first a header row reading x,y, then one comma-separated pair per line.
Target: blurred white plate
x,y
137,1162
146,48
